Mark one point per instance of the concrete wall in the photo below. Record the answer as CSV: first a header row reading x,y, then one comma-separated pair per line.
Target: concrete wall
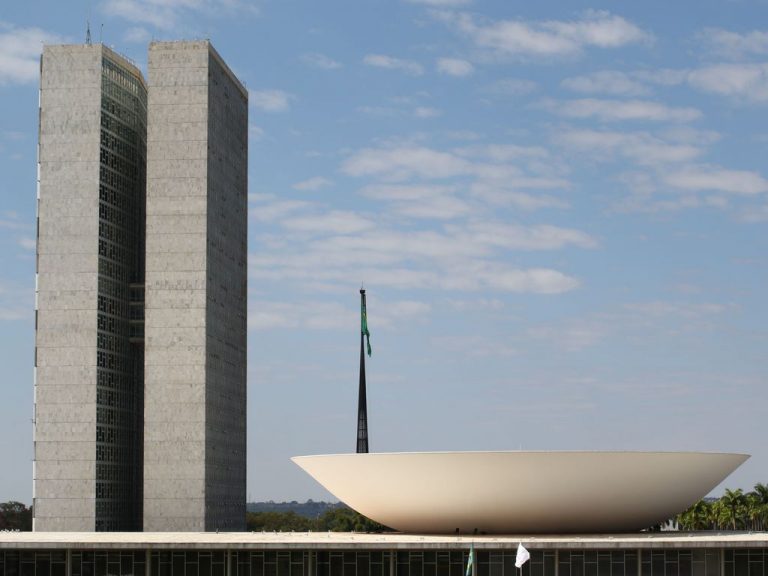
x,y
82,481
226,314
67,289
194,435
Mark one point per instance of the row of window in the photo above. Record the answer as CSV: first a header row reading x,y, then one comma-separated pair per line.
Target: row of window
x,y
125,184
697,562
121,399
106,379
120,76
111,324
114,270
113,454
121,114
112,306
119,202
112,343
111,471
115,252
109,287
115,216
120,147
112,361
114,416
115,516
122,177
127,133
118,163
120,95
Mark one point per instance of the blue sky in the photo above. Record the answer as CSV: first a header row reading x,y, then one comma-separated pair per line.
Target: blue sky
x,y
559,211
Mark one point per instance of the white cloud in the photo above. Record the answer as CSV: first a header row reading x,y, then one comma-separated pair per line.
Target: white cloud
x,y
27,243
744,81
264,208
11,221
714,178
320,61
484,170
269,315
514,237
640,147
548,38
255,132
270,100
167,14
390,63
503,152
20,50
321,315
741,81
441,3
333,222
426,112
756,214
404,162
16,302
505,194
512,87
620,110
340,247
429,202
605,82
537,280
687,310
454,67
137,35
734,44
573,336
312,184
159,16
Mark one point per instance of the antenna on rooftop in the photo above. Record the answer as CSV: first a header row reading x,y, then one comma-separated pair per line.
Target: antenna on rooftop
x,y
88,32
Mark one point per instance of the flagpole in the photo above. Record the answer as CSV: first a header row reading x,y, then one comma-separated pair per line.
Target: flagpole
x,y
362,401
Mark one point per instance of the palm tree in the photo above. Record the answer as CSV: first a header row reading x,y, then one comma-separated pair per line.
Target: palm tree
x,y
758,506
733,507
715,515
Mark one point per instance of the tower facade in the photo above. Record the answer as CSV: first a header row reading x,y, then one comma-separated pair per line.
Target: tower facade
x,y
195,379
88,363
137,433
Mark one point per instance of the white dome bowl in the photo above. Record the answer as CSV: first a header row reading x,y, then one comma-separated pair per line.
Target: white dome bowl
x,y
520,492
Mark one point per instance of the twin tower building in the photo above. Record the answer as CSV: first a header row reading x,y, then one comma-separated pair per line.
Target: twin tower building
x,y
140,356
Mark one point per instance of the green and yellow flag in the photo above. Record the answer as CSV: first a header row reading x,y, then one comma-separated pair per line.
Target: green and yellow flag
x,y
364,321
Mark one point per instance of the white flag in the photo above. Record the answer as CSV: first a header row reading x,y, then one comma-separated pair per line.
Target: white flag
x,y
522,555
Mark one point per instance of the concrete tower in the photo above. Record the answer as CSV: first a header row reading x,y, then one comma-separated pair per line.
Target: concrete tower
x,y
134,433
90,259
195,367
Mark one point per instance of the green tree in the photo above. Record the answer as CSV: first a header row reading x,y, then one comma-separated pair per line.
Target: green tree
x,y
758,507
340,519
732,509
347,520
15,516
277,522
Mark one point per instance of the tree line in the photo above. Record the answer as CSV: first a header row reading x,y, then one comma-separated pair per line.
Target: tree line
x,y
734,510
15,516
337,519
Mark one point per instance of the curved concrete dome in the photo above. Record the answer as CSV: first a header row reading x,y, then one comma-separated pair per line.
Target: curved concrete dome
x,y
520,492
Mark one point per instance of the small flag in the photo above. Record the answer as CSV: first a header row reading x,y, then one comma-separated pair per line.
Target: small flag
x,y
364,321
522,555
471,560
